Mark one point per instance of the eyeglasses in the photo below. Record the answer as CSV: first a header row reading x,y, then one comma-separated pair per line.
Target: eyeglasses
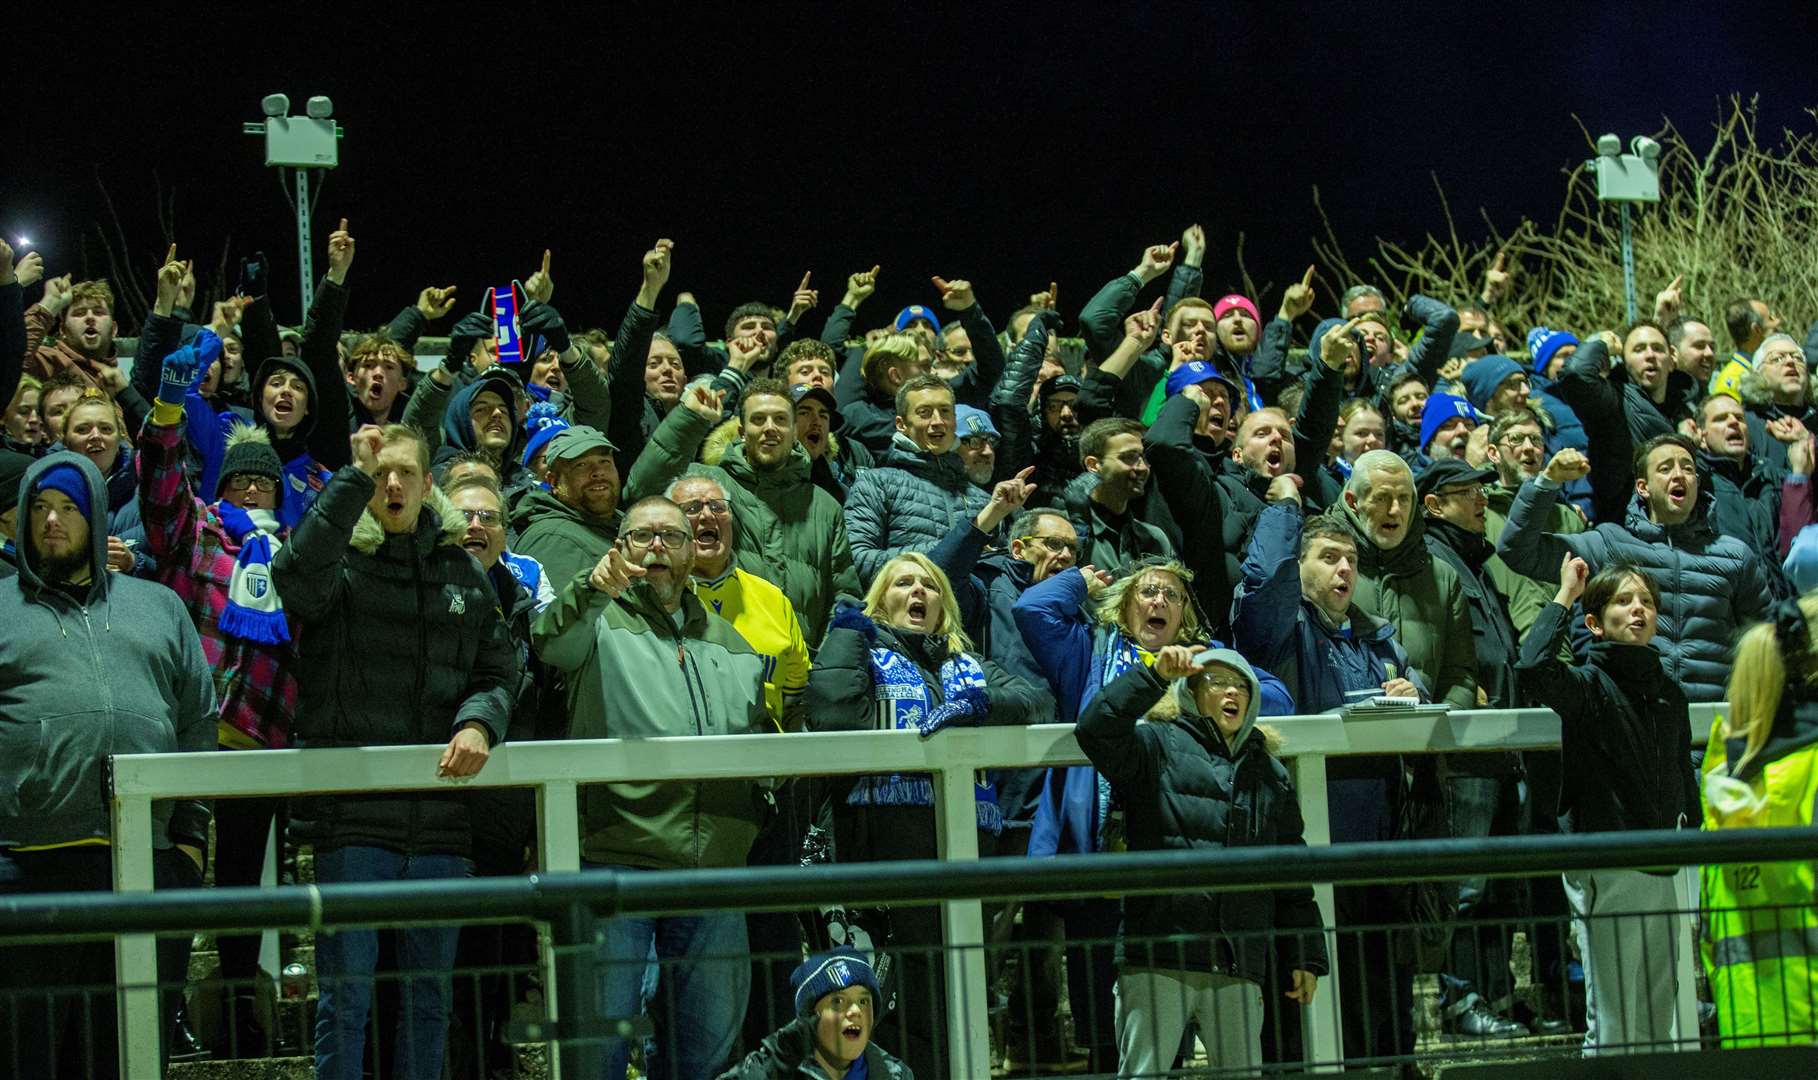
x,y
485,517
1225,683
1171,595
1054,544
695,506
251,483
672,538
1525,440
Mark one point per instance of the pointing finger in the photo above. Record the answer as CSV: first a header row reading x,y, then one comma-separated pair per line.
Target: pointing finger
x,y
545,262
1306,279
1676,281
940,283
803,287
343,227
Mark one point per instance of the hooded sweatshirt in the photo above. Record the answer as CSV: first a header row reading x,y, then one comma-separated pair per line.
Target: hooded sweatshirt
x,y
113,667
1186,786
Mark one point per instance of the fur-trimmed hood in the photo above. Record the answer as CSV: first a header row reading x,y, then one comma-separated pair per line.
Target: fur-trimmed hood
x,y
450,524
1178,701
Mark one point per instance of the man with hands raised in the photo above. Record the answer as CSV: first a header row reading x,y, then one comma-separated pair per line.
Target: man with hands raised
x,y
401,643
1716,585
645,658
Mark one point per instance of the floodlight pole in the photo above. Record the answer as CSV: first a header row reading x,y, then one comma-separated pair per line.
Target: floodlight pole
x,y
308,275
299,143
1628,262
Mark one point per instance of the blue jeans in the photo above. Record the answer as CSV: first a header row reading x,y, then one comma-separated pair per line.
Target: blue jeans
x,y
345,960
703,981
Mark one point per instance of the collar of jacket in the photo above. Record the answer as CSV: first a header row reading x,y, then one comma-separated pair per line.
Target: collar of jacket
x,y
1407,557
904,454
438,524
794,470
928,651
1697,527
1738,472
540,503
1474,548
641,600
1628,664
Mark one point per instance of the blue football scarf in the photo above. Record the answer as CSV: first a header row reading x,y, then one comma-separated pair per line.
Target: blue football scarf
x,y
902,701
253,611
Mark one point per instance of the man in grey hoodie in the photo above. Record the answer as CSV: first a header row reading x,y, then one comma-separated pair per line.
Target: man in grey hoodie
x,y
95,664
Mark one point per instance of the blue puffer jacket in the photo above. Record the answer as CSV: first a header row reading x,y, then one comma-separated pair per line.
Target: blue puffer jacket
x,y
907,503
1711,586
1078,659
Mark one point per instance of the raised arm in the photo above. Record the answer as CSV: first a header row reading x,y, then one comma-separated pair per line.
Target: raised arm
x,y
307,570
1268,604
674,445
1101,320
1438,326
1123,750
1525,545
320,352
631,352
975,384
1543,676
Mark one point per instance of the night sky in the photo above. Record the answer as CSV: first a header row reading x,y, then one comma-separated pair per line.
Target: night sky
x,y
1007,145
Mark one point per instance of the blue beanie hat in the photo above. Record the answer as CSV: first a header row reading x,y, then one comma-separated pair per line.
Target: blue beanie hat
x,y
1441,408
544,422
974,423
1483,375
823,973
69,480
1543,343
914,312
1194,372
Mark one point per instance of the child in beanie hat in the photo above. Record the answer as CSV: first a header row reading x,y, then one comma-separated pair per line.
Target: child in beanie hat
x,y
837,1002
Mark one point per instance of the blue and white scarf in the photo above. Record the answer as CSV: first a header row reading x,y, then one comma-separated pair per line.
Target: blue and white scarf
x,y
903,699
253,611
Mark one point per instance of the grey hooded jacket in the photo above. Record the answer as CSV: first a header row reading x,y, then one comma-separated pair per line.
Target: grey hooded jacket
x,y
86,673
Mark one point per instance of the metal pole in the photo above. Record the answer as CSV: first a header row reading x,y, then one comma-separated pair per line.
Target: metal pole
x,y
1628,262
576,938
308,275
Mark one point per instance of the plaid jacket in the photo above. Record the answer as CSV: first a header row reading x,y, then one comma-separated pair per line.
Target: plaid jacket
x,y
256,684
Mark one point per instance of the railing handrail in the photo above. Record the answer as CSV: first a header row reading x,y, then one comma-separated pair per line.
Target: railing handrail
x,y
930,881
250,773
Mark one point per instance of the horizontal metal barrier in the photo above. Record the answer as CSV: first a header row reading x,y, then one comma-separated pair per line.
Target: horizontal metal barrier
x,y
555,770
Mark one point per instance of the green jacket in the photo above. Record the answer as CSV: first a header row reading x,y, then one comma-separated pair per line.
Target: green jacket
x,y
1424,600
632,674
1526,595
788,530
565,540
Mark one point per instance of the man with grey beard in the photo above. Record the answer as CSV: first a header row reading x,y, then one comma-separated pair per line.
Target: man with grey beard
x,y
644,658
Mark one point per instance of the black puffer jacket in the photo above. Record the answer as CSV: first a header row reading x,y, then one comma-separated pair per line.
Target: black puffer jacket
x,y
1625,736
1491,631
789,1052
1185,789
1746,494
401,644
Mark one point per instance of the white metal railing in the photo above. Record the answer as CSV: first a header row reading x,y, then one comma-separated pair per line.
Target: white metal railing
x,y
557,769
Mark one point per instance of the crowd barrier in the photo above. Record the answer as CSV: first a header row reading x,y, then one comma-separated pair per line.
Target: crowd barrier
x,y
556,770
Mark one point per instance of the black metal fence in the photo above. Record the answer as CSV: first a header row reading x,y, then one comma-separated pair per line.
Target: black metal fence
x,y
644,969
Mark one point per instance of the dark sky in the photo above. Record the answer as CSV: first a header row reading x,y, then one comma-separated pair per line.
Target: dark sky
x,y
1008,145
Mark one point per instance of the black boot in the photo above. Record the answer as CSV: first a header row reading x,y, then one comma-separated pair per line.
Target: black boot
x,y
244,1036
184,1045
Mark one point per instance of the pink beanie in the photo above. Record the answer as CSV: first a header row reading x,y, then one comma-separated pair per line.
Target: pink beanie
x,y
1226,303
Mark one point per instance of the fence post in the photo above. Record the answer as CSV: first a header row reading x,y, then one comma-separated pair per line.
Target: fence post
x,y
580,1053
1685,895
558,851
1325,1036
135,955
962,921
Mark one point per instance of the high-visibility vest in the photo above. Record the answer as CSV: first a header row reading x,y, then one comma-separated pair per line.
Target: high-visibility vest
x,y
1760,940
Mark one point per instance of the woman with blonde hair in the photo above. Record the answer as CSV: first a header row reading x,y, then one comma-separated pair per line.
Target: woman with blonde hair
x,y
903,663
1760,771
